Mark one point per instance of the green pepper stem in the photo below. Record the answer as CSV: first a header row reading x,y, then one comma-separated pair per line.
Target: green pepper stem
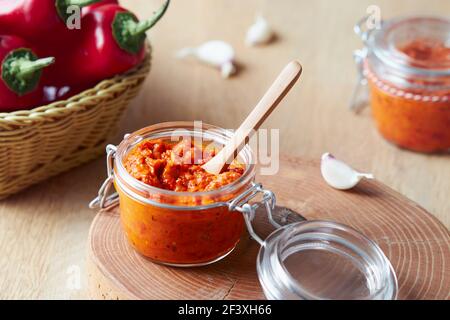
x,y
80,3
28,67
143,26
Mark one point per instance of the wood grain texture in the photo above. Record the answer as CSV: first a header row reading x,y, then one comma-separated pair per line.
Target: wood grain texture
x,y
272,97
43,230
415,242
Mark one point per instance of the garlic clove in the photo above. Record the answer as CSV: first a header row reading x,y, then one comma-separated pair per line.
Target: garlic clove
x,y
216,53
338,174
259,33
227,69
186,52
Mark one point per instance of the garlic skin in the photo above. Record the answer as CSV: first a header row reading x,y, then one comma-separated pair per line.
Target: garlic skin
x,y
215,53
259,33
338,174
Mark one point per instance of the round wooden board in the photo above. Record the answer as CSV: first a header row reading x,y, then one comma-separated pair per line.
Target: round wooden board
x,y
416,243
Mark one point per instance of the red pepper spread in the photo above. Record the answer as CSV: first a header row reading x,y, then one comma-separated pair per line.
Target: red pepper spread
x,y
177,166
426,51
419,118
165,235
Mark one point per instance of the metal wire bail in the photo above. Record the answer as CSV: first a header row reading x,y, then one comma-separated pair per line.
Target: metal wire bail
x,y
360,97
241,204
361,28
103,200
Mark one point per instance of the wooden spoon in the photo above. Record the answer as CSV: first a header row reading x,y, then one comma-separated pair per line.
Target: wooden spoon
x,y
266,105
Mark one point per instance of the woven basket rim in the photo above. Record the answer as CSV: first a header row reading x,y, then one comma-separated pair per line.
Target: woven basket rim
x,y
71,103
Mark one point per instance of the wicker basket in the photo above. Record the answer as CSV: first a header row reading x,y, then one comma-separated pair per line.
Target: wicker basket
x,y
39,143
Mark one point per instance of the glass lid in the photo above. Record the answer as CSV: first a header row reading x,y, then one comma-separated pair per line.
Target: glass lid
x,y
316,260
414,45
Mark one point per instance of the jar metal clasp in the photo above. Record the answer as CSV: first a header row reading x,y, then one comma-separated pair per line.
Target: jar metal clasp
x,y
360,97
363,28
241,204
104,199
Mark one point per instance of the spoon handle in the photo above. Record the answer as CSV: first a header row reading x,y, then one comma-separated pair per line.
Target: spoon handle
x,y
265,106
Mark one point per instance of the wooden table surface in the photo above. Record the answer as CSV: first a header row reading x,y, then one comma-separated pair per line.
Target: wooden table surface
x,y
43,230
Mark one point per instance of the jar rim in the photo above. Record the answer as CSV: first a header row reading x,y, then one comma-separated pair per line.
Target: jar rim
x,y
217,134
380,44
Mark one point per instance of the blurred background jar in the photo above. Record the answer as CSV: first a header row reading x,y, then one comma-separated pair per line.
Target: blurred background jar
x,y
405,65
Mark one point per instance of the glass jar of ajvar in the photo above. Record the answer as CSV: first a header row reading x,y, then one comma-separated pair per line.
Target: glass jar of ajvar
x,y
406,64
165,223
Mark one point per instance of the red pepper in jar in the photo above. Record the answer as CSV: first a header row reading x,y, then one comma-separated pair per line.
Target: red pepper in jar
x,y
35,20
110,42
20,74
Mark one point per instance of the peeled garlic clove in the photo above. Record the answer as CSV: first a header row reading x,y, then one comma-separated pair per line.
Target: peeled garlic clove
x,y
259,33
338,174
216,53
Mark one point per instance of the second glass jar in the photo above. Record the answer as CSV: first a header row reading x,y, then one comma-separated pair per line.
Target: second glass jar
x,y
406,64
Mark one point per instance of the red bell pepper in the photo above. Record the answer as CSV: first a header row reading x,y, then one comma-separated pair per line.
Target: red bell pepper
x,y
37,19
20,74
91,7
110,42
